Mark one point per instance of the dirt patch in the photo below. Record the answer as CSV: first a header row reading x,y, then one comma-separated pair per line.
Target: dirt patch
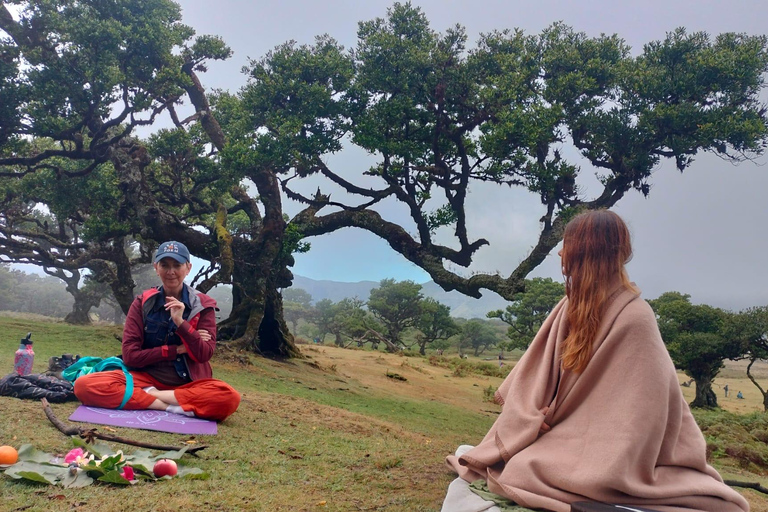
x,y
294,409
423,381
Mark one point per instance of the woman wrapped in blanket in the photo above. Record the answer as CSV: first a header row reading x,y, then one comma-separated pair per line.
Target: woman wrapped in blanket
x,y
168,340
593,410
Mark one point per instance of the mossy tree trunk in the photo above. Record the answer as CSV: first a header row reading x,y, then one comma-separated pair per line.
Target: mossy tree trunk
x,y
256,321
705,396
80,310
85,298
259,269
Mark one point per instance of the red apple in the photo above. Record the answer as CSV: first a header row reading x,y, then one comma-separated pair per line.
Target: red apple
x,y
165,467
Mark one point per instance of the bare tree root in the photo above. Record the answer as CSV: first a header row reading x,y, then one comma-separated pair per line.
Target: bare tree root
x,y
89,434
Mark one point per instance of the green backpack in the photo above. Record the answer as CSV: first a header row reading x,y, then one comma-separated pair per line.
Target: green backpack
x,y
86,365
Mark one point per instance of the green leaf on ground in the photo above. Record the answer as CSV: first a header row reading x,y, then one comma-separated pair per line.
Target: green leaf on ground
x,y
37,472
98,450
175,455
79,479
29,453
192,473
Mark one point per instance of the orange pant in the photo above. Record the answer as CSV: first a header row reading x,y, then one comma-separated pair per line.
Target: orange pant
x,y
212,399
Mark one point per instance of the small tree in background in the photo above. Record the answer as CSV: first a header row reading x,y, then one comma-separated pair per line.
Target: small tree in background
x,y
750,329
324,317
297,305
434,323
298,295
397,305
349,322
479,335
528,310
696,338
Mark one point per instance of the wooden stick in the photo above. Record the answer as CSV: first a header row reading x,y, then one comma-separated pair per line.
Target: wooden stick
x,y
91,433
749,485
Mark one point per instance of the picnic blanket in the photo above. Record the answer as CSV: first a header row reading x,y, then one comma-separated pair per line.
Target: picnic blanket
x,y
618,432
161,421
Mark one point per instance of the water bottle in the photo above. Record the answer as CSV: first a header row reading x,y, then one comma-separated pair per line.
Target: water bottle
x,y
25,357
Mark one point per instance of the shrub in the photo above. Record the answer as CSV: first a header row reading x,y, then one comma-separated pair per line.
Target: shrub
x,y
760,435
742,438
746,455
464,367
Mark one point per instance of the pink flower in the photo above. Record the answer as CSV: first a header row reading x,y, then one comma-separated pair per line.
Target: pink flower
x,y
74,455
127,473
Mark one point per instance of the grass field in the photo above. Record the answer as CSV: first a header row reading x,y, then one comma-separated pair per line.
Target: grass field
x,y
329,432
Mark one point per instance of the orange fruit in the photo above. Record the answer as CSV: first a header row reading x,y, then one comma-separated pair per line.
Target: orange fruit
x,y
8,455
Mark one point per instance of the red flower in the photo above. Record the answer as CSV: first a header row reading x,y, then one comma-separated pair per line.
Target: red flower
x,y
127,473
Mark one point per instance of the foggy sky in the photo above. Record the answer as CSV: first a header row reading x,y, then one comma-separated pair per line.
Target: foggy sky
x,y
702,232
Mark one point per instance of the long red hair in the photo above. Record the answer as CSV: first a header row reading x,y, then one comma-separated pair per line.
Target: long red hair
x,y
596,245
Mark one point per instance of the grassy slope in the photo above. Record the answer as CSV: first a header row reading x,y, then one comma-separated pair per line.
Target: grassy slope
x,y
331,432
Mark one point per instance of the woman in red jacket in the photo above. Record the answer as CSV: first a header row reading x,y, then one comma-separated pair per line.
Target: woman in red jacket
x,y
168,340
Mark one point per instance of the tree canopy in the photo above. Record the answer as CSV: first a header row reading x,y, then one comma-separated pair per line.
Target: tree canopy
x,y
297,304
78,79
479,335
30,293
434,324
528,310
397,305
697,340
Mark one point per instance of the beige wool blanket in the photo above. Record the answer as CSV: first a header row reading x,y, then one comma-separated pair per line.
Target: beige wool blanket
x,y
619,432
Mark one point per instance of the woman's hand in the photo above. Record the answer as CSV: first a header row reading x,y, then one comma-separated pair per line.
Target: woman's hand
x,y
204,336
176,308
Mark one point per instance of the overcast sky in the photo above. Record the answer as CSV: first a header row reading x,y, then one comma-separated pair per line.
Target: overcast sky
x,y
702,232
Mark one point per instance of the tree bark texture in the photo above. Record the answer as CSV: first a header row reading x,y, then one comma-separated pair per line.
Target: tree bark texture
x,y
84,300
80,309
705,397
256,321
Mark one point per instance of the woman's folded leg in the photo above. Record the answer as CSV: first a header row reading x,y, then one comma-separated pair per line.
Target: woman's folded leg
x,y
212,399
208,398
107,389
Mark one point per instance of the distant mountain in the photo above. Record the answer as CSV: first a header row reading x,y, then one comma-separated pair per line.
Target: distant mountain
x,y
461,305
334,290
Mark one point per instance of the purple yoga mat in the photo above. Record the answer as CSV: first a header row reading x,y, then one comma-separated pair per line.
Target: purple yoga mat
x,y
145,419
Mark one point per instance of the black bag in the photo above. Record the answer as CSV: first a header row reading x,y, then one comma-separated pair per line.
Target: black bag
x,y
35,387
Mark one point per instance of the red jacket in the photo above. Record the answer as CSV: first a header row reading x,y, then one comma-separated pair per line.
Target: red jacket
x,y
199,352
